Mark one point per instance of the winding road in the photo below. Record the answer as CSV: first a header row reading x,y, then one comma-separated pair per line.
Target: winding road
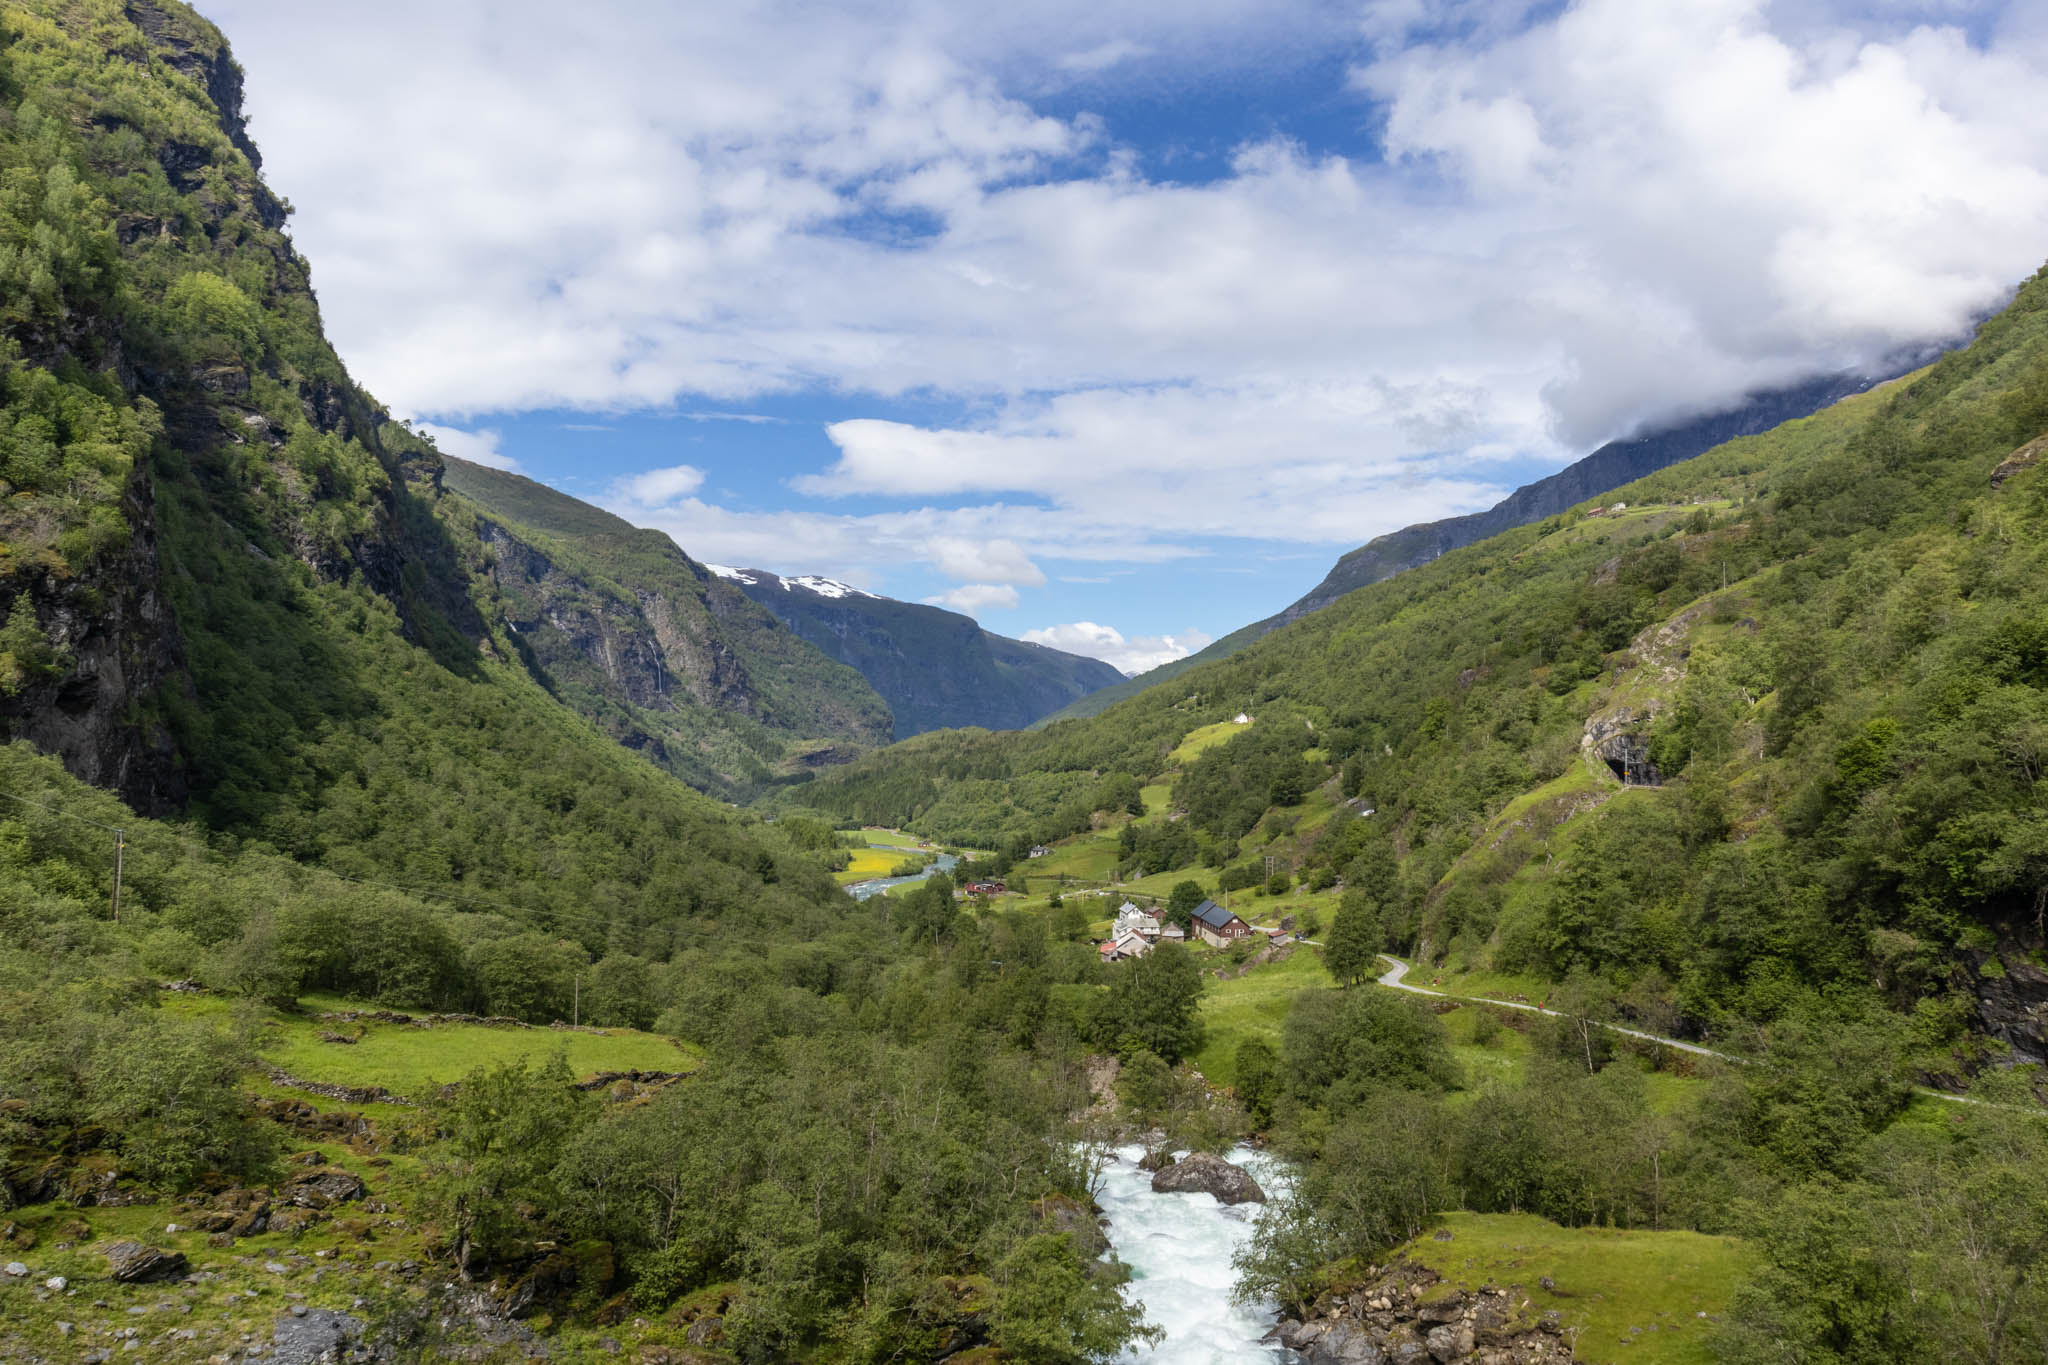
x,y
1392,979
1393,976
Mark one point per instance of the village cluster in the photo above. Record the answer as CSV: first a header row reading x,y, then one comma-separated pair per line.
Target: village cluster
x,y
1137,929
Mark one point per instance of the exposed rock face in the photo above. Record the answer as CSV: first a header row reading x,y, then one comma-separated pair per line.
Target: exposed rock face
x,y
2025,458
2012,997
1208,1174
1402,1317
134,1263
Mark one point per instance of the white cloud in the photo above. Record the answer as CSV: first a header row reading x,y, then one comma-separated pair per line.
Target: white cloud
x,y
659,487
1103,56
1129,656
974,597
478,447
999,561
1580,218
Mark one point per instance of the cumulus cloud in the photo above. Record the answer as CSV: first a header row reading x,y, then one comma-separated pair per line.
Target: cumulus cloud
x,y
1128,656
477,447
1578,219
974,597
660,487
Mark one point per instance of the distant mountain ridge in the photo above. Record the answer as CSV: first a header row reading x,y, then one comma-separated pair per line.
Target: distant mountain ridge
x,y
1611,466
937,669
666,657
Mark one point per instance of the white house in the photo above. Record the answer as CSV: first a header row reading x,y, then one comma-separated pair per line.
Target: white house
x,y
1131,919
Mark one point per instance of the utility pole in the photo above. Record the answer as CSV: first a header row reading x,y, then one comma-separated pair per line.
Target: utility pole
x,y
575,999
119,848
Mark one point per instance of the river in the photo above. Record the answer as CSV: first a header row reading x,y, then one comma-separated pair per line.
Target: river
x,y
1178,1247
860,891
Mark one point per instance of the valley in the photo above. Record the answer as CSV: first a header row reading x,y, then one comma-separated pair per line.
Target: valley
x,y
443,920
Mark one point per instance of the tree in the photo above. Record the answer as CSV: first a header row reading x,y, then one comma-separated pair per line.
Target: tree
x,y
505,1128
1181,903
1258,1080
1352,953
1052,1311
1153,1003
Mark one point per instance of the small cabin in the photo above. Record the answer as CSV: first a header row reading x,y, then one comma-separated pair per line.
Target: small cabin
x,y
1039,851
984,889
1218,927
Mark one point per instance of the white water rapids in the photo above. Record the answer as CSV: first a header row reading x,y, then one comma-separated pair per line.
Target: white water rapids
x,y
1178,1247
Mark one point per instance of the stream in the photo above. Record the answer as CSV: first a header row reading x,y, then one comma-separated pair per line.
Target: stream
x,y
860,891
1178,1247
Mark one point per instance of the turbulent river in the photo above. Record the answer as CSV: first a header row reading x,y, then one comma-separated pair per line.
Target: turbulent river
x,y
1178,1247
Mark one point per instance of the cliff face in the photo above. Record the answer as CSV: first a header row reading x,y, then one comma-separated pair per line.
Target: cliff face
x,y
211,540
936,669
666,657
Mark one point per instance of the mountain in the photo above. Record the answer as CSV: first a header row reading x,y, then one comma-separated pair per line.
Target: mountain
x,y
937,669
235,591
662,654
1779,719
1608,468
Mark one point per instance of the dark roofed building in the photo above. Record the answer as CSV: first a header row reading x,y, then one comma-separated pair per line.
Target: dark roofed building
x,y
1216,926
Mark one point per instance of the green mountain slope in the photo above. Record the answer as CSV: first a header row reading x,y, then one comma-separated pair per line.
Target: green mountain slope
x,y
1824,642
230,584
937,669
663,655
1609,467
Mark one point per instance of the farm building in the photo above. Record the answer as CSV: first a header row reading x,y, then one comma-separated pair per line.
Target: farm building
x,y
1125,944
1130,918
1217,927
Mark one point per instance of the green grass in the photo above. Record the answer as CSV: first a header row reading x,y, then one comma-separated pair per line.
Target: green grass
x,y
1207,737
413,1061
1609,1282
893,838
1255,1005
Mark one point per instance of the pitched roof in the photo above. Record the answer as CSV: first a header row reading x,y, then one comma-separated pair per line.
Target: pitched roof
x,y
1213,915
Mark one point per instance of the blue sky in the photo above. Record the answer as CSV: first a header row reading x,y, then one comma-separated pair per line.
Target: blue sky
x,y
1115,324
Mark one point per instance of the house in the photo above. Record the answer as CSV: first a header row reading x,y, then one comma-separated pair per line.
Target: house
x,y
1172,933
1124,944
1217,927
1143,923
1038,851
1241,718
984,889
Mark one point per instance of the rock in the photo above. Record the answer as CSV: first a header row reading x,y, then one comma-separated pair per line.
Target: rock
x,y
1155,1161
706,1331
56,1282
311,1336
1207,1174
2025,458
1345,1343
16,1269
1450,1342
1077,1221
133,1263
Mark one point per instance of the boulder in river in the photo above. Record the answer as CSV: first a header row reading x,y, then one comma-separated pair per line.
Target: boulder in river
x,y
1210,1175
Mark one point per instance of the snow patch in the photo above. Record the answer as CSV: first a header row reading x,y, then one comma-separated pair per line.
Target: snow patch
x,y
825,587
736,575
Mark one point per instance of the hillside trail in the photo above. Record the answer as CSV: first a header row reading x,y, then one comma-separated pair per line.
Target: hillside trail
x,y
1392,979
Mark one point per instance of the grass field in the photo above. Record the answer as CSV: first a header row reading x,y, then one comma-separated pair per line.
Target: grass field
x,y
1207,737
1254,1005
1632,1296
870,863
413,1061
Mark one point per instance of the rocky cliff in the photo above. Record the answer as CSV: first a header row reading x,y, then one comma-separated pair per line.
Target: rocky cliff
x,y
937,669
667,657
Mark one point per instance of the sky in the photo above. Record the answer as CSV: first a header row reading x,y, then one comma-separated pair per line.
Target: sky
x,y
1114,323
